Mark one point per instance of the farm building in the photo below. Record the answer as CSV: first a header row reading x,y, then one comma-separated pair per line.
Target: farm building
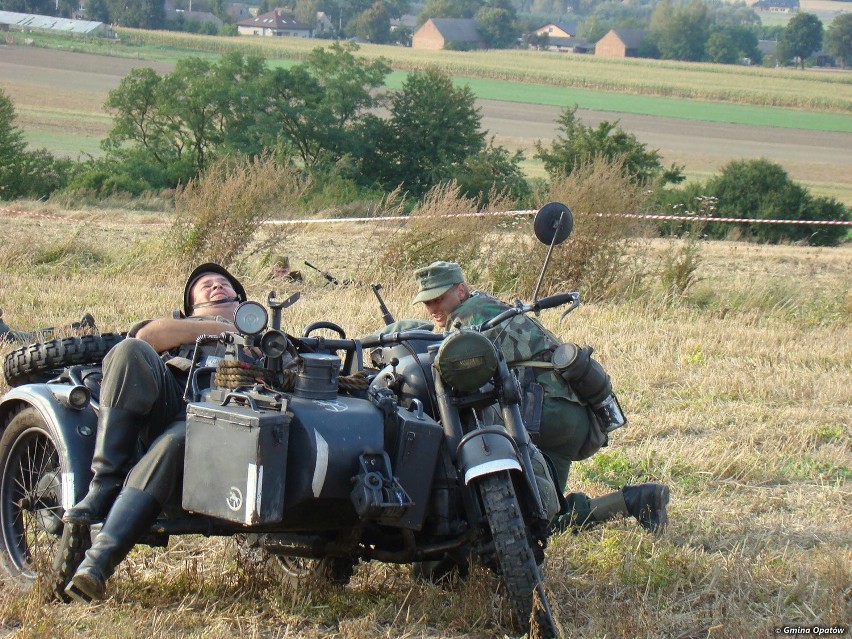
x,y
777,6
27,21
569,45
558,30
447,33
620,43
274,23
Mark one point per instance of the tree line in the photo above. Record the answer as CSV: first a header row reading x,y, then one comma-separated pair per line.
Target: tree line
x,y
324,118
691,30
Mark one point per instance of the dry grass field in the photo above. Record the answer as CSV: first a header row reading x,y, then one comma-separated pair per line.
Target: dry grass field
x,y
738,397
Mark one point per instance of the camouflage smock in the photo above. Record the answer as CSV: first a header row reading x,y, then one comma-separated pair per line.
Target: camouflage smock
x,y
522,339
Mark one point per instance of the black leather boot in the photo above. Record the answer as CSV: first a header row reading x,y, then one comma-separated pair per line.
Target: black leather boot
x,y
115,449
647,503
131,516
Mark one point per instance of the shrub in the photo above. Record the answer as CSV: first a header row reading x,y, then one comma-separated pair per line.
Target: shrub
x,y
218,215
760,189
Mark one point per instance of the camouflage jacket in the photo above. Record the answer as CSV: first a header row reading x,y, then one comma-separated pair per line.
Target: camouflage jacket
x,y
522,339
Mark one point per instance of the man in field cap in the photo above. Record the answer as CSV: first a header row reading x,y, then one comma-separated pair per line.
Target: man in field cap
x,y
569,429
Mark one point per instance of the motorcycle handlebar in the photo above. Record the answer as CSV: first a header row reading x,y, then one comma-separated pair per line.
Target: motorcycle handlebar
x,y
553,301
403,336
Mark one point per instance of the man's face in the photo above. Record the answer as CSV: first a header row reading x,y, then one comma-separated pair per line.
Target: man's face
x,y
440,307
211,287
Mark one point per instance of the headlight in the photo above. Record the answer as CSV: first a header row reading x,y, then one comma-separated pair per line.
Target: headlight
x,y
250,318
273,343
466,360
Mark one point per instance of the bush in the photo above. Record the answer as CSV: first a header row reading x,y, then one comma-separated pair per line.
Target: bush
x,y
760,189
218,215
501,255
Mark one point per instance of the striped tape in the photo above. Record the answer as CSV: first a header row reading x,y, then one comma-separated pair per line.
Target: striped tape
x,y
400,218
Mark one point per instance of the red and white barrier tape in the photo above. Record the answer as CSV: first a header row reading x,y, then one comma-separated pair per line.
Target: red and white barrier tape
x,y
399,218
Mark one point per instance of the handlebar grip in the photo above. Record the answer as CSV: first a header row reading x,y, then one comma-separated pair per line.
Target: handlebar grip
x,y
559,299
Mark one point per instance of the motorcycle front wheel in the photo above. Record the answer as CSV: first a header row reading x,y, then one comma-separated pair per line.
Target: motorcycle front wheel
x,y
34,543
518,569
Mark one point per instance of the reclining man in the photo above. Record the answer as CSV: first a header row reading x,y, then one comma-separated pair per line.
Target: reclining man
x,y
142,404
570,430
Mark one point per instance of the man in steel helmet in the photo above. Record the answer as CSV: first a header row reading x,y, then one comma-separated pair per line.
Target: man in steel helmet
x,y
570,430
142,408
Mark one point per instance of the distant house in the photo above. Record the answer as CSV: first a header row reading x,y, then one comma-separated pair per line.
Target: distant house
x,y
570,45
275,24
11,20
324,23
558,30
620,43
444,33
777,6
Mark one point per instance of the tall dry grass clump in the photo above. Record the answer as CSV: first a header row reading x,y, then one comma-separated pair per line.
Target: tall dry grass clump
x,y
599,257
218,215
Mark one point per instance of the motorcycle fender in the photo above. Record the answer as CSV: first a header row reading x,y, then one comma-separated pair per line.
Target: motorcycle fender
x,y
486,453
73,431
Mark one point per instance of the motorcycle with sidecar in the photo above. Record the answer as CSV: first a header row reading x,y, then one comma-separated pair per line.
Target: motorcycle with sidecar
x,y
317,468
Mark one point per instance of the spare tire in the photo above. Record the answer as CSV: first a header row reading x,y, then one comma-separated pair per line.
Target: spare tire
x,y
36,362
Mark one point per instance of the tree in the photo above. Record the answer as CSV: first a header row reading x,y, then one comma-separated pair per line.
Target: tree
x,y
97,10
373,24
577,145
497,22
449,9
680,32
306,11
730,44
433,128
12,146
838,38
801,37
26,173
179,120
494,170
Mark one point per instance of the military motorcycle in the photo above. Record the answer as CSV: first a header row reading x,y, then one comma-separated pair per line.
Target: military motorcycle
x,y
318,467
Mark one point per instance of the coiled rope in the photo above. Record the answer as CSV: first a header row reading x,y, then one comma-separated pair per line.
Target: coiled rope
x,y
234,374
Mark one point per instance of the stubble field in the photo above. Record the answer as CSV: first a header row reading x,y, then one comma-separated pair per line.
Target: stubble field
x,y
738,397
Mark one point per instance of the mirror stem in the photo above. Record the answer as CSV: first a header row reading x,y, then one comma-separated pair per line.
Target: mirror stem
x,y
547,258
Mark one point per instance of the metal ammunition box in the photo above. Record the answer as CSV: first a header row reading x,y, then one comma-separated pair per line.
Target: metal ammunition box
x,y
235,462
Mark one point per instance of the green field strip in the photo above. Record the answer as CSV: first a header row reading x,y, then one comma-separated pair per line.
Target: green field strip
x,y
682,108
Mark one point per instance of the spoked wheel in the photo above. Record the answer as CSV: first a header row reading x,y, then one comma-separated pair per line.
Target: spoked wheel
x,y
515,557
34,543
299,571
296,572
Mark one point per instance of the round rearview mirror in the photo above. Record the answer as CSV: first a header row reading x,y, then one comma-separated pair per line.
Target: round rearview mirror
x,y
553,223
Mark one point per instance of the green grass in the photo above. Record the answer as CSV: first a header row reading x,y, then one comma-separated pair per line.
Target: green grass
x,y
686,109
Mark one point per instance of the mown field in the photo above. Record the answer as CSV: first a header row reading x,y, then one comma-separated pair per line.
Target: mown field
x,y
738,397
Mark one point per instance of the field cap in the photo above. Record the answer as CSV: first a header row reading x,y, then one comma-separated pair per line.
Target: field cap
x,y
436,279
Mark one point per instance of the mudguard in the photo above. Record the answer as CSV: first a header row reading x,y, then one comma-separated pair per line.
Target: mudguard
x,y
485,451
73,429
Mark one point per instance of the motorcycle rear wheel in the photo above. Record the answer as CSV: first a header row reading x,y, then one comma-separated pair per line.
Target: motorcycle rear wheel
x,y
518,568
34,543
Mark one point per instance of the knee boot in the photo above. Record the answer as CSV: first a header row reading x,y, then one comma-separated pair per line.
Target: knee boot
x,y
115,448
131,516
647,503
